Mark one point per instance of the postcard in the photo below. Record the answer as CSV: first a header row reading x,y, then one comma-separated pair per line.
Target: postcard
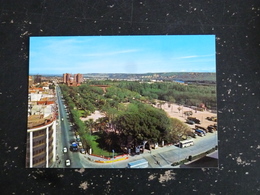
x,y
129,102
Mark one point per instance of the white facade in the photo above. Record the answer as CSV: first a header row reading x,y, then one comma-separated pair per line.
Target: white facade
x,y
49,134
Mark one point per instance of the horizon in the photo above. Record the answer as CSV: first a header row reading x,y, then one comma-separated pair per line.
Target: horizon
x,y
30,74
122,54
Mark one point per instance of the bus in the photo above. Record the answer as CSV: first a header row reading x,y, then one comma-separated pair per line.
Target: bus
x,y
186,143
142,163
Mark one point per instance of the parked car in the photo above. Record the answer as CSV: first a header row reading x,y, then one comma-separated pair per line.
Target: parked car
x,y
190,122
67,162
82,151
197,121
80,144
65,150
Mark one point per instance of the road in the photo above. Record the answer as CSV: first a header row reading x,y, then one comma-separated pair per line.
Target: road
x,y
64,135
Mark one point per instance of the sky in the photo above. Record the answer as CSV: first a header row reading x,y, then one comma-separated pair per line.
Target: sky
x,y
122,54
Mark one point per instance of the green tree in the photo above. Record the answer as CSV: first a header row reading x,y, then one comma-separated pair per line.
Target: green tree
x,y
177,131
143,123
90,123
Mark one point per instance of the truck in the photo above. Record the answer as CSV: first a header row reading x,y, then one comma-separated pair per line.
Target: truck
x,y
142,163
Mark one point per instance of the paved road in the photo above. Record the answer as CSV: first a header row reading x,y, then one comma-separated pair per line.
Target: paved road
x,y
64,135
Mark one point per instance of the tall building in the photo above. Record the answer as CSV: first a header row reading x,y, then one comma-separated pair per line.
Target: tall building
x,y
41,142
79,78
41,129
75,80
66,78
37,79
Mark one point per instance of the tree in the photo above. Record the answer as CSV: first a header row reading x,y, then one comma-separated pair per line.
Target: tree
x,y
90,123
177,131
143,123
171,101
101,124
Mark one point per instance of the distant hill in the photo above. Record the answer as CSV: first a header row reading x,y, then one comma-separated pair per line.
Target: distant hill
x,y
183,76
191,76
166,76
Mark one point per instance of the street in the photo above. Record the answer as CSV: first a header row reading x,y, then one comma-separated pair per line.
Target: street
x,y
64,135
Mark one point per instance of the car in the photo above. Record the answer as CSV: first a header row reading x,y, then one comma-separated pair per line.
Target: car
x,y
62,119
65,150
190,122
80,144
67,162
82,151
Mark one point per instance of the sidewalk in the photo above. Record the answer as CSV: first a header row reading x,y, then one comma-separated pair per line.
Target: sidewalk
x,y
99,159
58,163
161,157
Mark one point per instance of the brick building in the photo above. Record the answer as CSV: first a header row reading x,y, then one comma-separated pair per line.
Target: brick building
x,y
72,80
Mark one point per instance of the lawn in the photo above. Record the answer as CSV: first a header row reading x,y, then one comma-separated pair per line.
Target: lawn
x,y
95,146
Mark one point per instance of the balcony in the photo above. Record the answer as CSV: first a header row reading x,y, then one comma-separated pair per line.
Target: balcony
x,y
41,164
39,146
39,138
39,155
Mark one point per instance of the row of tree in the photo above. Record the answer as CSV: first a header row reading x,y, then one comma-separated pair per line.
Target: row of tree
x,y
190,95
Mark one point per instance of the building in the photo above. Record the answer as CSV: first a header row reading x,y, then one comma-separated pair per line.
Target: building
x,y
78,78
41,129
66,78
30,83
37,79
75,80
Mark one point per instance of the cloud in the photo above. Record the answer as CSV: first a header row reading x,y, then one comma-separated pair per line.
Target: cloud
x,y
111,53
187,57
194,56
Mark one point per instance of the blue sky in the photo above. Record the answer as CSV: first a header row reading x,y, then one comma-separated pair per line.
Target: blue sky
x,y
122,54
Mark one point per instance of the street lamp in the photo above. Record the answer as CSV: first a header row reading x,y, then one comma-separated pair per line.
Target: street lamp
x,y
179,136
113,153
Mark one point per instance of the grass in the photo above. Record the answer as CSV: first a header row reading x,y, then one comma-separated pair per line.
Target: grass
x,y
95,146
81,113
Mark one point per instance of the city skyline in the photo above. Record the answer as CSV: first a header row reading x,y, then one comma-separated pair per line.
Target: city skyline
x,y
122,54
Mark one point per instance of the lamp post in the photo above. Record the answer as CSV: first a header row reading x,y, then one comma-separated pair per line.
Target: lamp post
x,y
113,153
179,135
